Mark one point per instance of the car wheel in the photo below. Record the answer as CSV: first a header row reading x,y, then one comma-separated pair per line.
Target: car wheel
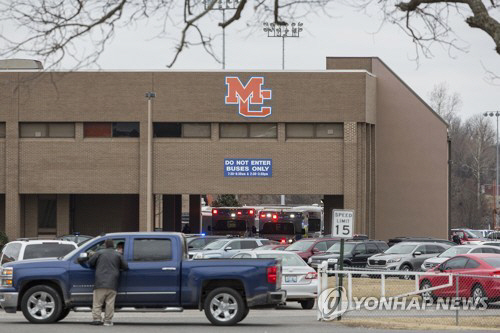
x,y
406,268
64,314
224,307
479,294
307,304
41,304
245,314
427,295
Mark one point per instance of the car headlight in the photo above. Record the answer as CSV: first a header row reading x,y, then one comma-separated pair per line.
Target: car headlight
x,y
6,277
393,260
198,255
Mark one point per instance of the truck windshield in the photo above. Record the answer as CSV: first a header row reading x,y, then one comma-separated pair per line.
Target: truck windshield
x,y
288,259
216,245
300,246
278,228
400,249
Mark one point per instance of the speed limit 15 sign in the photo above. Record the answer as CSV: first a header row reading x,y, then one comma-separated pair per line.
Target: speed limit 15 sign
x,y
342,224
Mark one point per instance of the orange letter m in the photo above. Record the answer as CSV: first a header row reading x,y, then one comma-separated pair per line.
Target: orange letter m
x,y
245,95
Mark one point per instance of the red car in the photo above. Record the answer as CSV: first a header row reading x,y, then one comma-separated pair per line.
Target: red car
x,y
479,277
307,247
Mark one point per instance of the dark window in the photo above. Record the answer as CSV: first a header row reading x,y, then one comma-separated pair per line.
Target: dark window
x,y
278,228
265,242
382,246
10,253
152,249
371,248
455,263
167,130
421,249
47,250
312,130
321,246
433,249
197,243
248,244
2,130
314,225
330,243
230,225
472,264
97,130
100,245
47,211
361,248
126,130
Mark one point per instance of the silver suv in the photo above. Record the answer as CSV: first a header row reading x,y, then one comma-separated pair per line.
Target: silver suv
x,y
228,247
406,256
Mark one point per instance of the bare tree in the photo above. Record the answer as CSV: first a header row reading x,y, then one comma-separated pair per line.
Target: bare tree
x,y
52,30
428,21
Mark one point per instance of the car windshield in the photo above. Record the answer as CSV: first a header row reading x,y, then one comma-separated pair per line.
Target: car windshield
x,y
287,259
47,250
453,251
335,248
474,233
494,262
400,249
300,246
216,245
265,247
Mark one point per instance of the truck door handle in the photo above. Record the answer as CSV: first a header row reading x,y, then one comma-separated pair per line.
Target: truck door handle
x,y
168,268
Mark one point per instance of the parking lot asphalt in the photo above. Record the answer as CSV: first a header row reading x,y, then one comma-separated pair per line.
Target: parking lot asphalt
x,y
289,319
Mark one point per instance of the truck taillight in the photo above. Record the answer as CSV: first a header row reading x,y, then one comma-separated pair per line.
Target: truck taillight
x,y
283,241
275,217
272,274
311,275
214,211
251,212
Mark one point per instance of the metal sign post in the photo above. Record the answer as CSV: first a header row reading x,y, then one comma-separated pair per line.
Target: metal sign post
x,y
342,224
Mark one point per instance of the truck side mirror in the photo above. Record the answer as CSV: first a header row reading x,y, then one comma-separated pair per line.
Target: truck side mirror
x,y
83,257
228,248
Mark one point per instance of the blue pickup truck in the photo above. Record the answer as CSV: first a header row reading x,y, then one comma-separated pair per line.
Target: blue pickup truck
x,y
160,278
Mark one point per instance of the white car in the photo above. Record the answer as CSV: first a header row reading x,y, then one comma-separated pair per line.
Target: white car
x,y
34,249
299,279
456,250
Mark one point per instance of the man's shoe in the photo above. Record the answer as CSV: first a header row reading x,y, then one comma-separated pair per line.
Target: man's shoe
x,y
96,323
108,323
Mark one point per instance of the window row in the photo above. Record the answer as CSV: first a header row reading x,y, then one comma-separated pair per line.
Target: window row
x,y
177,130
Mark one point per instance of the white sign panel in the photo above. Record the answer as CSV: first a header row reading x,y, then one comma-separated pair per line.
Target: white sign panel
x,y
342,223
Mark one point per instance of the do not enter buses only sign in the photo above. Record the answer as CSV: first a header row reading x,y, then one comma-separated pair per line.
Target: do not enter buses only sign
x,y
342,224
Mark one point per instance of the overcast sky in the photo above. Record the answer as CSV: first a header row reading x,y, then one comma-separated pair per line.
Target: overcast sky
x,y
346,33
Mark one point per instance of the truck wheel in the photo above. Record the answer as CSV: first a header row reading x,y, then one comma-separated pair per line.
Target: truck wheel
x,y
245,314
64,314
224,307
41,304
307,304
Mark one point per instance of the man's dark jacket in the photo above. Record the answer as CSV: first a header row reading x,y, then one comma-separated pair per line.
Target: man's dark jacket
x,y
107,263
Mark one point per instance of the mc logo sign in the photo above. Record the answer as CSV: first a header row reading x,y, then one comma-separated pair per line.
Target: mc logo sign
x,y
248,95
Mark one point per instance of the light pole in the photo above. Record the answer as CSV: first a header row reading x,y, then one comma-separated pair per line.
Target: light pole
x,y
495,210
150,95
283,31
223,5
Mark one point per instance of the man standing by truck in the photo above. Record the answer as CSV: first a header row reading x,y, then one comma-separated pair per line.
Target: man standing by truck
x,y
107,263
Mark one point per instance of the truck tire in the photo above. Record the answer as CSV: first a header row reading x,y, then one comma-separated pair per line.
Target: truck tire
x,y
41,305
224,306
307,304
245,314
64,314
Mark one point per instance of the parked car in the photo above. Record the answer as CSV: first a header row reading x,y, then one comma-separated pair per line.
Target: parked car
x,y
494,235
405,256
197,242
227,247
159,273
305,248
467,236
34,249
479,282
356,253
456,250
396,240
298,279
275,247
491,243
482,233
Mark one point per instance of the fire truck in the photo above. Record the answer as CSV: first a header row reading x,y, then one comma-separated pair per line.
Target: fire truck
x,y
287,225
235,221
